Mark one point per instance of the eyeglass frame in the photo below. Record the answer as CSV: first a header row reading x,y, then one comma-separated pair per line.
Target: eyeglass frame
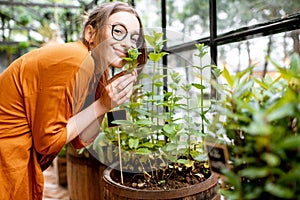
x,y
140,40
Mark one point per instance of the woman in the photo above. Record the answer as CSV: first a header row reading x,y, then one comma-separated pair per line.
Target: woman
x,y
43,96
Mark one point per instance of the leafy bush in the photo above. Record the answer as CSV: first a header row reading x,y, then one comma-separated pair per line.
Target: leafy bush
x,y
262,132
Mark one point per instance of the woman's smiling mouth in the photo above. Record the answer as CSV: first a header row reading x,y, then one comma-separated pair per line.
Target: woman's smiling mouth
x,y
120,53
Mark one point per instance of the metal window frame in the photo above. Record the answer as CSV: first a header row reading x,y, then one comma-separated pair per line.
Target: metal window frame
x,y
271,27
288,23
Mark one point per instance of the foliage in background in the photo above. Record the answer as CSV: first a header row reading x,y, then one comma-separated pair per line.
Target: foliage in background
x,y
262,128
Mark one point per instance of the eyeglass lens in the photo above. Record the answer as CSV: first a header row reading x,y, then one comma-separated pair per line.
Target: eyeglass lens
x,y
119,32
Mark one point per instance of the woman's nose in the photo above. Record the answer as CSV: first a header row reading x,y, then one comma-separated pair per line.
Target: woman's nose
x,y
127,42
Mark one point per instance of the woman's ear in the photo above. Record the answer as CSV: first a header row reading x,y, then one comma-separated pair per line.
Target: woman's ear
x,y
89,35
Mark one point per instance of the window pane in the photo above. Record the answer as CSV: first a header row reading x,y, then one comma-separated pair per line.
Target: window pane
x,y
183,63
150,12
240,55
187,20
188,65
233,14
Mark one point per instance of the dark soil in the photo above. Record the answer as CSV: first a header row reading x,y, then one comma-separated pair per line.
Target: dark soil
x,y
173,177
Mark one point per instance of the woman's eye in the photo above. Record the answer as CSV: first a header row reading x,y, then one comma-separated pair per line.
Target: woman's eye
x,y
118,31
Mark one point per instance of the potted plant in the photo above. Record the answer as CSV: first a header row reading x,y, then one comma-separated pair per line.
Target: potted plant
x,y
84,174
159,152
261,126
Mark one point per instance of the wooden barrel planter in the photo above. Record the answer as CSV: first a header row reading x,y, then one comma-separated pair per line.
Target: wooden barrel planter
x,y
84,177
207,190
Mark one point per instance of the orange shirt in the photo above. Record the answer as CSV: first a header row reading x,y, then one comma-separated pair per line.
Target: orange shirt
x,y
39,92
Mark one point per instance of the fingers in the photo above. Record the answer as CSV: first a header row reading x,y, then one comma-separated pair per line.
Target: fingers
x,y
120,81
123,86
119,90
134,72
125,94
122,73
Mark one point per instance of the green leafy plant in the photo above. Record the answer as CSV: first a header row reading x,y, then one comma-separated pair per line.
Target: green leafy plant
x,y
131,59
142,133
262,132
156,140
196,126
63,151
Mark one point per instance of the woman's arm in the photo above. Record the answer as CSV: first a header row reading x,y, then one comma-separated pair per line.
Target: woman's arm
x,y
87,123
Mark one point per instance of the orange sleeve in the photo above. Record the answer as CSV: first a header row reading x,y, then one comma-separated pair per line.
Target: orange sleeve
x,y
60,90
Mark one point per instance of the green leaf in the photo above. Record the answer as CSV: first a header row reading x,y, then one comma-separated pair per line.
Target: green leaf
x,y
279,191
158,84
183,161
171,147
143,151
280,110
158,76
155,57
109,153
157,35
128,59
121,122
255,172
143,76
186,87
150,40
168,128
290,142
228,77
260,83
100,153
144,122
101,140
149,145
133,143
230,194
216,71
198,86
272,159
295,63
254,194
133,53
232,178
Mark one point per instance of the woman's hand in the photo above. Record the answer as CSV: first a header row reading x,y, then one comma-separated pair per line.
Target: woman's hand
x,y
118,90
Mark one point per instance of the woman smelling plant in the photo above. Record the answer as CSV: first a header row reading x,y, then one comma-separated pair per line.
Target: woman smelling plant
x,y
43,96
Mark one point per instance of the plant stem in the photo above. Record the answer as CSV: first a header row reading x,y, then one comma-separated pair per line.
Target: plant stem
x,y
152,98
201,98
188,121
120,155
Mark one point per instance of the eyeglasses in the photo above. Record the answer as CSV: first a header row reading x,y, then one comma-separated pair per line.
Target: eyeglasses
x,y
119,32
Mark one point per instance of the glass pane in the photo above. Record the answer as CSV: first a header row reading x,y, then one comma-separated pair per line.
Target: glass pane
x,y
233,14
150,12
240,55
187,20
188,66
36,21
183,63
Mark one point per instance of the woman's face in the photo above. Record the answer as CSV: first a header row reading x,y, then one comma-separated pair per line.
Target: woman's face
x,y
117,42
